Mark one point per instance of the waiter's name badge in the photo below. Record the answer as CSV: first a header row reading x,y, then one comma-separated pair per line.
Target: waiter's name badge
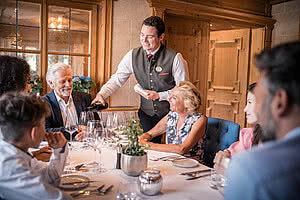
x,y
158,68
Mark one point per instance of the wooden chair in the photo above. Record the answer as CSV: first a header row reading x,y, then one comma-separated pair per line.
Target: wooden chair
x,y
220,134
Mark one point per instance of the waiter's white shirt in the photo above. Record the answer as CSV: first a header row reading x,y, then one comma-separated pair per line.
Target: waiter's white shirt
x,y
24,177
68,110
125,69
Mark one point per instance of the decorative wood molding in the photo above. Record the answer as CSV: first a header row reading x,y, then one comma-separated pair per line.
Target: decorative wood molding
x,y
92,2
75,4
273,2
209,107
268,36
44,45
93,34
222,88
158,12
210,13
211,103
250,6
236,84
103,67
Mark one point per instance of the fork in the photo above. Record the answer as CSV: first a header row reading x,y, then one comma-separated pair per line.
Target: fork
x,y
196,177
105,190
193,173
87,192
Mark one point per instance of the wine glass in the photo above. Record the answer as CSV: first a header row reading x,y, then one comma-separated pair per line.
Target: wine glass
x,y
100,137
91,126
85,116
71,129
110,126
95,139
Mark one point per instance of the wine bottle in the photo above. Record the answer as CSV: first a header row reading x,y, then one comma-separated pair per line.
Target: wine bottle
x,y
97,107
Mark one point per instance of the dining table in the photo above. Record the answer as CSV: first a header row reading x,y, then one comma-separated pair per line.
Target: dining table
x,y
175,185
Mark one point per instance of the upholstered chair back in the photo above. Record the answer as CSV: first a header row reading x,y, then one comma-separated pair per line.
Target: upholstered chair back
x,y
220,134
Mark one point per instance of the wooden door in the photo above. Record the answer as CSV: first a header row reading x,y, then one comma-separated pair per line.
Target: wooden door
x,y
190,37
228,75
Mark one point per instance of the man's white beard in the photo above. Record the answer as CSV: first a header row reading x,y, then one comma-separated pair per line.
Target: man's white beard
x,y
66,92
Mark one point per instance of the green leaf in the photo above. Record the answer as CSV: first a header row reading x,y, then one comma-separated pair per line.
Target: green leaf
x,y
133,131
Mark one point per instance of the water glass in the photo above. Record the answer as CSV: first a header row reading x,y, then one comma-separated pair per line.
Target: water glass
x,y
217,181
98,146
214,179
128,190
71,129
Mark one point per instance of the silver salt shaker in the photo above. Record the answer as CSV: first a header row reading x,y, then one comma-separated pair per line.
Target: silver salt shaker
x,y
150,182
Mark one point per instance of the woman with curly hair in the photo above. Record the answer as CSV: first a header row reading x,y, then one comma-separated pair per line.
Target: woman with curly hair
x,y
184,126
14,75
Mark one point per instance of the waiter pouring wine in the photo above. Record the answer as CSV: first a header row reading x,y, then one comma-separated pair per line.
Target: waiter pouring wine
x,y
156,68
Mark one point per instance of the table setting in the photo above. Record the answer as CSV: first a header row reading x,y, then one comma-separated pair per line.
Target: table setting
x,y
177,182
96,169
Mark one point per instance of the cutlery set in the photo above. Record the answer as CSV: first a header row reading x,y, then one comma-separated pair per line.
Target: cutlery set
x,y
194,174
100,191
167,158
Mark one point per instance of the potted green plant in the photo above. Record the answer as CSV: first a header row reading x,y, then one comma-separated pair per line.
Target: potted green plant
x,y
134,158
82,83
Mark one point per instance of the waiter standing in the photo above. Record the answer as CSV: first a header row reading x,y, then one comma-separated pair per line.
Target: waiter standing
x,y
156,68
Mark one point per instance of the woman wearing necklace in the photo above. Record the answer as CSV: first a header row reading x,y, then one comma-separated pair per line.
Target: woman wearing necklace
x,y
184,126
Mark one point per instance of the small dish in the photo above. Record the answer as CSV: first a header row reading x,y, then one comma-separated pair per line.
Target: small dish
x,y
79,182
185,163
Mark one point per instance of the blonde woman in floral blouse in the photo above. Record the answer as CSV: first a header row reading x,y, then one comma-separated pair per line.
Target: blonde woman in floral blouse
x,y
184,126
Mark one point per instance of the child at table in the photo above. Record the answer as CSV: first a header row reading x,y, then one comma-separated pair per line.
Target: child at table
x,y
22,121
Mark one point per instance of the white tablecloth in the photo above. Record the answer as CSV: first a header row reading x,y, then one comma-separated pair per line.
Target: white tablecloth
x,y
174,185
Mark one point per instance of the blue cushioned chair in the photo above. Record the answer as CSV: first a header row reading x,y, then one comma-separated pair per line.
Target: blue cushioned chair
x,y
220,134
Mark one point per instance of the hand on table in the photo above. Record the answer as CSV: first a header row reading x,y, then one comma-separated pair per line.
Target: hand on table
x,y
143,140
56,140
220,160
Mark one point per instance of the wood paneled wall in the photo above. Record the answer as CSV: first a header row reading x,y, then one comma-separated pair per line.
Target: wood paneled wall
x,y
252,6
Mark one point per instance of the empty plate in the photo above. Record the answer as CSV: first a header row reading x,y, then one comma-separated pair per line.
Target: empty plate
x,y
185,163
73,182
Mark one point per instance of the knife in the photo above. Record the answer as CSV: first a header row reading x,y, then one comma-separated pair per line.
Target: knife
x,y
164,157
196,172
196,177
77,182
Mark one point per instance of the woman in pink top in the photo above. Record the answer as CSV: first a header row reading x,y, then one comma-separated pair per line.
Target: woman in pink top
x,y
248,136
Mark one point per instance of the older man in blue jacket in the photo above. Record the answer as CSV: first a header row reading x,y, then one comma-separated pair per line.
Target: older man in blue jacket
x,y
65,104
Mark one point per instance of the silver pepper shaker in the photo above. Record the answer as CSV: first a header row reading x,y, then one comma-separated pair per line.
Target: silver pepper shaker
x,y
119,151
